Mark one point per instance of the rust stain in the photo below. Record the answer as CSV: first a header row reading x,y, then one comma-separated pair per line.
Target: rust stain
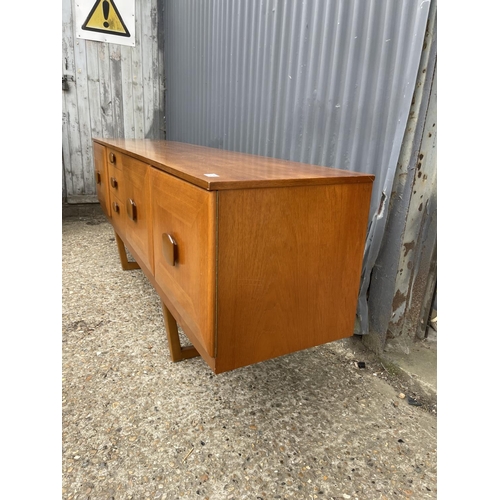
x,y
399,300
408,247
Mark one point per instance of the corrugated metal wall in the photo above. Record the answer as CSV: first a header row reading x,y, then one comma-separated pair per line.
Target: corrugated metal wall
x,y
322,82
114,91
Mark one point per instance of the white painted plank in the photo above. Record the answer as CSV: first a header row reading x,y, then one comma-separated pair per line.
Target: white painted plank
x,y
93,84
138,94
70,136
106,98
127,92
87,175
147,69
115,56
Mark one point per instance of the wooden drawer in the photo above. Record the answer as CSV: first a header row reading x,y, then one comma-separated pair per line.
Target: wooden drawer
x,y
114,158
184,253
118,215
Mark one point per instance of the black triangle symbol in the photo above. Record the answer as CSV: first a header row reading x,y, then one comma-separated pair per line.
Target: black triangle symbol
x,y
104,30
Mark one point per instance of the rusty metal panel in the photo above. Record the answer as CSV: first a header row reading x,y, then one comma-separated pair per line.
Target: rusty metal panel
x,y
322,82
404,274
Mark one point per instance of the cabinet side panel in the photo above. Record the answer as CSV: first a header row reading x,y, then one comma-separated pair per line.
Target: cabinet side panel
x,y
289,267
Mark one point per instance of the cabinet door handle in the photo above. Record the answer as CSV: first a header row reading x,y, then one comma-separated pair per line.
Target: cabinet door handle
x,y
113,182
112,158
132,210
98,177
169,248
116,207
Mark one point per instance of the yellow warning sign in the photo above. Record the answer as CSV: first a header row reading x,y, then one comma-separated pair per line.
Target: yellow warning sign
x,y
105,18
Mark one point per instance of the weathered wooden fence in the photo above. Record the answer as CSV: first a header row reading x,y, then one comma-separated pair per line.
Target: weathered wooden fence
x,y
113,91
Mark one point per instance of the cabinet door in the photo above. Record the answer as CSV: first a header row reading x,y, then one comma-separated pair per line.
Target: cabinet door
x,y
137,203
101,177
184,253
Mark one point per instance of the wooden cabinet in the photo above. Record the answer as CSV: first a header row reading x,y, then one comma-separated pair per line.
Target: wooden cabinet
x,y
254,257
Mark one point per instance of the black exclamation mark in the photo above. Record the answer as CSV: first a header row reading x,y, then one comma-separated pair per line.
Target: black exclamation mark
x,y
105,10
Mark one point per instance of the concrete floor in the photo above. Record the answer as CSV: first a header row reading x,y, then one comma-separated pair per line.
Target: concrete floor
x,y
137,426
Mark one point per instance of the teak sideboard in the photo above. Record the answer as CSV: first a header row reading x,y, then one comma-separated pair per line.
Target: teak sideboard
x,y
253,257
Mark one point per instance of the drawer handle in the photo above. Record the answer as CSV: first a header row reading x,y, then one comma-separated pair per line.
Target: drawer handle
x,y
116,207
113,182
169,248
112,158
132,210
98,177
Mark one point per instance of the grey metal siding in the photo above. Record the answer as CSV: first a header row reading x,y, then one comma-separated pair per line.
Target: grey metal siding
x,y
114,91
322,82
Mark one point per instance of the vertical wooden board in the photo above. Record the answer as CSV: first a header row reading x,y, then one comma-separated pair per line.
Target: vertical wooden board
x,y
289,266
147,54
66,160
87,174
106,97
71,133
160,81
116,89
93,83
137,88
187,214
157,71
69,96
127,92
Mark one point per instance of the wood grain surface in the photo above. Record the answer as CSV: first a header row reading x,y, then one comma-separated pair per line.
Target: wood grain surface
x,y
289,264
137,188
187,213
233,170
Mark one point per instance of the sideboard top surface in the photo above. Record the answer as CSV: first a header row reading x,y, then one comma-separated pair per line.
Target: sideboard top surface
x,y
217,169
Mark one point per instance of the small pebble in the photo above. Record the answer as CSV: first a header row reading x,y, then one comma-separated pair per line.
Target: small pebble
x,y
401,395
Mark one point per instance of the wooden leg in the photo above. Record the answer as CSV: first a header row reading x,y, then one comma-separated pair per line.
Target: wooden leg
x,y
126,264
177,352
